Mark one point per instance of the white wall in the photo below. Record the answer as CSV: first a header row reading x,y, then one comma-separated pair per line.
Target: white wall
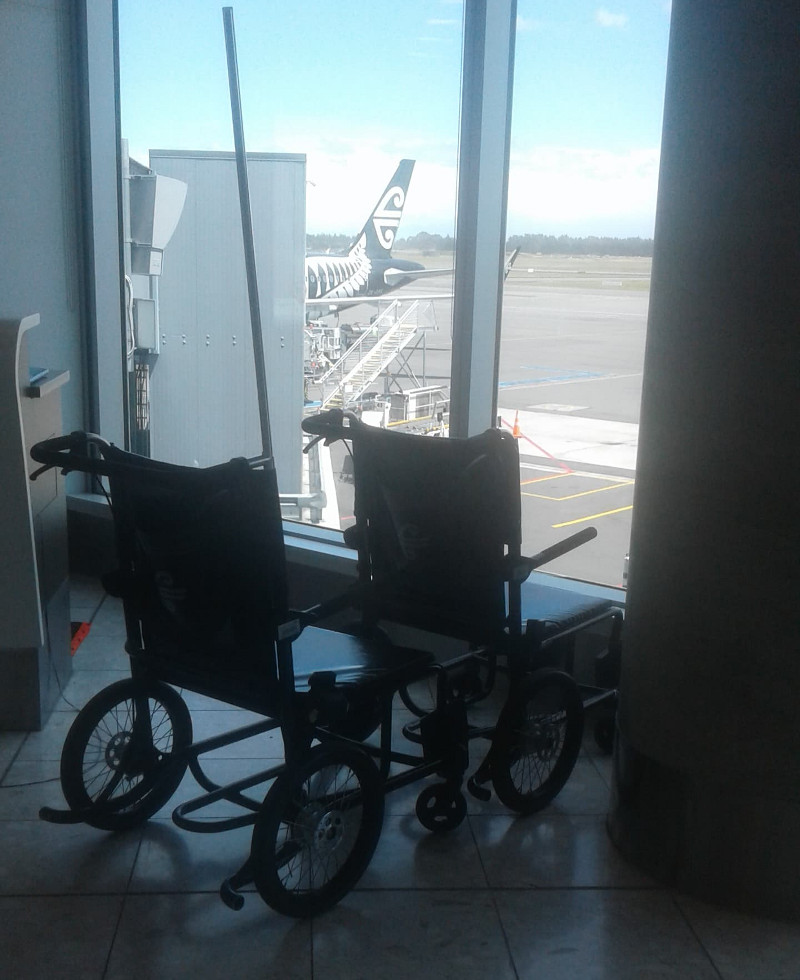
x,y
39,255
59,247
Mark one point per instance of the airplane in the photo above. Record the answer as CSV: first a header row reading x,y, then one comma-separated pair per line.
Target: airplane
x,y
368,270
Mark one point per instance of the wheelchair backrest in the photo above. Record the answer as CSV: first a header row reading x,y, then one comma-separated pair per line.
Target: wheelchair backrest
x,y
202,562
437,517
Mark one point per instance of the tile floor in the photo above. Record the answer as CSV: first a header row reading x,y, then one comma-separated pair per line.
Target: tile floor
x,y
500,897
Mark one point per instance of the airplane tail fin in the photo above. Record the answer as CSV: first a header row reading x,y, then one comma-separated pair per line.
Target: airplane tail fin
x,y
379,232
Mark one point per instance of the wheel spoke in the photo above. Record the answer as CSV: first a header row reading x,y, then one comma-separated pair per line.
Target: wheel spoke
x,y
317,830
113,761
531,758
537,740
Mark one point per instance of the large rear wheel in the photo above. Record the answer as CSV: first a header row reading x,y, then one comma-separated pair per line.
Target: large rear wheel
x,y
121,760
317,830
537,740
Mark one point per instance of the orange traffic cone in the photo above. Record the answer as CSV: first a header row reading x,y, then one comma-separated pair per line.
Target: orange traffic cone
x,y
515,431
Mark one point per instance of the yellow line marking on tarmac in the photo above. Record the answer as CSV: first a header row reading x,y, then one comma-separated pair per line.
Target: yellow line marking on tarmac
x,y
539,479
583,493
592,517
580,474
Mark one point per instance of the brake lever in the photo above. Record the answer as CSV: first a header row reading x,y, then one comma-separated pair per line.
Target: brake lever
x,y
307,449
50,466
42,469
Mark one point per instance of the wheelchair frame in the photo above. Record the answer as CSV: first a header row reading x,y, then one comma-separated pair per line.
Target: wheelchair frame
x,y
395,474
337,698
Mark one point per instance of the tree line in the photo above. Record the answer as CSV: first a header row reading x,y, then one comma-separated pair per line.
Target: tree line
x,y
592,245
545,244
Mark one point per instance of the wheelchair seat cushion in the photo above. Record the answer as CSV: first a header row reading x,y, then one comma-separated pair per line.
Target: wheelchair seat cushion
x,y
548,611
354,660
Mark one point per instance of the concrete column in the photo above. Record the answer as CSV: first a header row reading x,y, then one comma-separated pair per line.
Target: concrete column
x,y
707,765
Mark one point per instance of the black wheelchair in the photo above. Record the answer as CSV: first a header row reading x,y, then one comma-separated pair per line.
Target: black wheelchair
x,y
202,576
203,580
438,536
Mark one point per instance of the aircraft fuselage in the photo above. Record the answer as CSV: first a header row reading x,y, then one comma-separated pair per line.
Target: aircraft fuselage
x,y
343,277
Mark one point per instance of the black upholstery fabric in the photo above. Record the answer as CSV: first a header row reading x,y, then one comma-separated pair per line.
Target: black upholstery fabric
x,y
438,518
203,564
554,611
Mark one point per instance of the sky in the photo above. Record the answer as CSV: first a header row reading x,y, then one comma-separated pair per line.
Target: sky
x,y
358,85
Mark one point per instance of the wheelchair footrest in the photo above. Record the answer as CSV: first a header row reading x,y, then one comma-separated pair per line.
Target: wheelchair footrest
x,y
52,815
228,889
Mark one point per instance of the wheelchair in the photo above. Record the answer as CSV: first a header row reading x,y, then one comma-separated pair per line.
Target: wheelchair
x,y
438,537
202,577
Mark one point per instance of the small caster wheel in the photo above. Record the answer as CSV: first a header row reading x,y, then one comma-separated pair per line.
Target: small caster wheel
x,y
441,808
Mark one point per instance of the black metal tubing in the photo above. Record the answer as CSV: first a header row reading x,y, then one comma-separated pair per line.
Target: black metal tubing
x,y
230,793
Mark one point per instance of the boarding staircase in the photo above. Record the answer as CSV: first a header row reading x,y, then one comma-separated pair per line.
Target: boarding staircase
x,y
372,353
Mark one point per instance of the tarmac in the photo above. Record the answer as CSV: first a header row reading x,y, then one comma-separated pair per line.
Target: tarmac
x,y
570,378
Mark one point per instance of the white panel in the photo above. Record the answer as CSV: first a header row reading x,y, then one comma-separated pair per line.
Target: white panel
x,y
203,395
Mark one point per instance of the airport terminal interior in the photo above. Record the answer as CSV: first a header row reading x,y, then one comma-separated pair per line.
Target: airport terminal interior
x,y
501,896
674,857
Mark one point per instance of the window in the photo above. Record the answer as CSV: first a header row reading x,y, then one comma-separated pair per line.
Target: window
x,y
588,97
345,107
340,99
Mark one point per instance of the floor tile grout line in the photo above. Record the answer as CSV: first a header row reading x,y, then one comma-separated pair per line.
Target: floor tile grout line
x,y
506,940
493,894
107,964
694,932
13,759
122,905
477,848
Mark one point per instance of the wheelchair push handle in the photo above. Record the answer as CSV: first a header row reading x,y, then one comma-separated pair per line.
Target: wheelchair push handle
x,y
69,452
527,565
562,547
331,426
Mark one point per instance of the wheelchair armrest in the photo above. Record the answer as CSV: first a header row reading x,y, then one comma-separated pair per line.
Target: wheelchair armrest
x,y
522,567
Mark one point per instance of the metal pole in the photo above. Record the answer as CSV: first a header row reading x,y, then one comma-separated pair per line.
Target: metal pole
x,y
247,232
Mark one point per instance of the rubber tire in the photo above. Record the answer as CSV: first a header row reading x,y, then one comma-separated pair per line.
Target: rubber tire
x,y
420,698
441,808
512,777
290,800
104,717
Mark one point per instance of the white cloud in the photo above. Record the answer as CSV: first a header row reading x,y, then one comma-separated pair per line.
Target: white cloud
x,y
527,24
552,190
606,19
347,187
557,190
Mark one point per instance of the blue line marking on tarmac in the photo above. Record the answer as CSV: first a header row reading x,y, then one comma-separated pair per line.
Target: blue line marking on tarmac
x,y
563,376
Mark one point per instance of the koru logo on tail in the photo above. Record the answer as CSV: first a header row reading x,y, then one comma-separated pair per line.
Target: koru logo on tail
x,y
387,216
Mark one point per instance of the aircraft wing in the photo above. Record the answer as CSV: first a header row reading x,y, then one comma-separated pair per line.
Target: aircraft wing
x,y
325,306
391,277
322,307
